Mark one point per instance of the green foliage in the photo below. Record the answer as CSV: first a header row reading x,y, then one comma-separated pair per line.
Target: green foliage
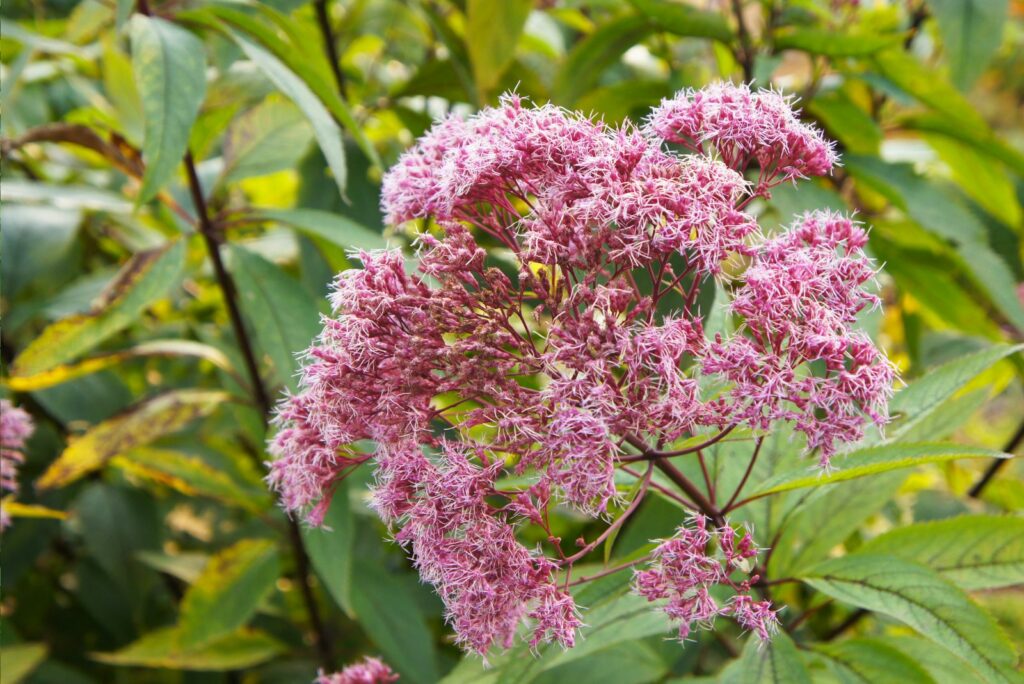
x,y
138,137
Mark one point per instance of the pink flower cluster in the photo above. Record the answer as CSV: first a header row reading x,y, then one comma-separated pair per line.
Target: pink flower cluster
x,y
367,671
683,572
15,428
552,331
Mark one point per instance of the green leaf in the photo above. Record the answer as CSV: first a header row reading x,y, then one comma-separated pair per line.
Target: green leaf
x,y
35,239
243,649
871,661
191,476
492,32
980,137
326,130
833,44
942,666
589,58
170,74
920,398
920,598
873,460
777,662
904,71
228,592
972,551
143,423
985,182
283,317
384,609
270,137
331,549
19,661
685,20
146,277
846,122
971,33
336,229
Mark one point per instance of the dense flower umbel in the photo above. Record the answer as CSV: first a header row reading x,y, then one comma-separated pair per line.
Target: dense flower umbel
x,y
367,671
15,427
584,352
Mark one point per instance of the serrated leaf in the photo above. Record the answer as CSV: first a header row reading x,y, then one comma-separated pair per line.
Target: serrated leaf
x,y
325,128
228,592
65,372
833,44
590,57
281,313
336,229
972,551
189,475
920,598
146,277
920,398
170,73
777,662
873,460
971,31
243,649
685,20
492,32
19,661
942,666
141,424
871,661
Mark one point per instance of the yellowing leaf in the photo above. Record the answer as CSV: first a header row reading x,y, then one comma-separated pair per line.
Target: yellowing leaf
x,y
145,278
242,649
139,425
20,510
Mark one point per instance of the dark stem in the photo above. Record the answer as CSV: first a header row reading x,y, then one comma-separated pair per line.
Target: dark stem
x,y
997,464
227,287
746,52
323,20
746,475
230,294
851,620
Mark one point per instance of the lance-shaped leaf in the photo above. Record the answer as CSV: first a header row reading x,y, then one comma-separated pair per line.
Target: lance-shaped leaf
x,y
492,32
170,74
336,229
590,57
777,662
228,591
331,549
919,597
912,77
970,35
872,661
280,312
873,460
270,137
326,130
20,660
832,44
65,372
684,20
191,476
243,649
146,277
972,551
20,510
139,425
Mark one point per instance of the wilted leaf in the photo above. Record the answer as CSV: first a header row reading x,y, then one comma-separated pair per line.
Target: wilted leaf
x,y
170,73
227,592
145,278
139,425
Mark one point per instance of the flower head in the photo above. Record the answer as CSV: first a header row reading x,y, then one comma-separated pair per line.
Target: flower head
x,y
367,671
15,428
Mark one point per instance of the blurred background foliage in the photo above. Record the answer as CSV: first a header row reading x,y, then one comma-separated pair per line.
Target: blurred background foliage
x,y
168,561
